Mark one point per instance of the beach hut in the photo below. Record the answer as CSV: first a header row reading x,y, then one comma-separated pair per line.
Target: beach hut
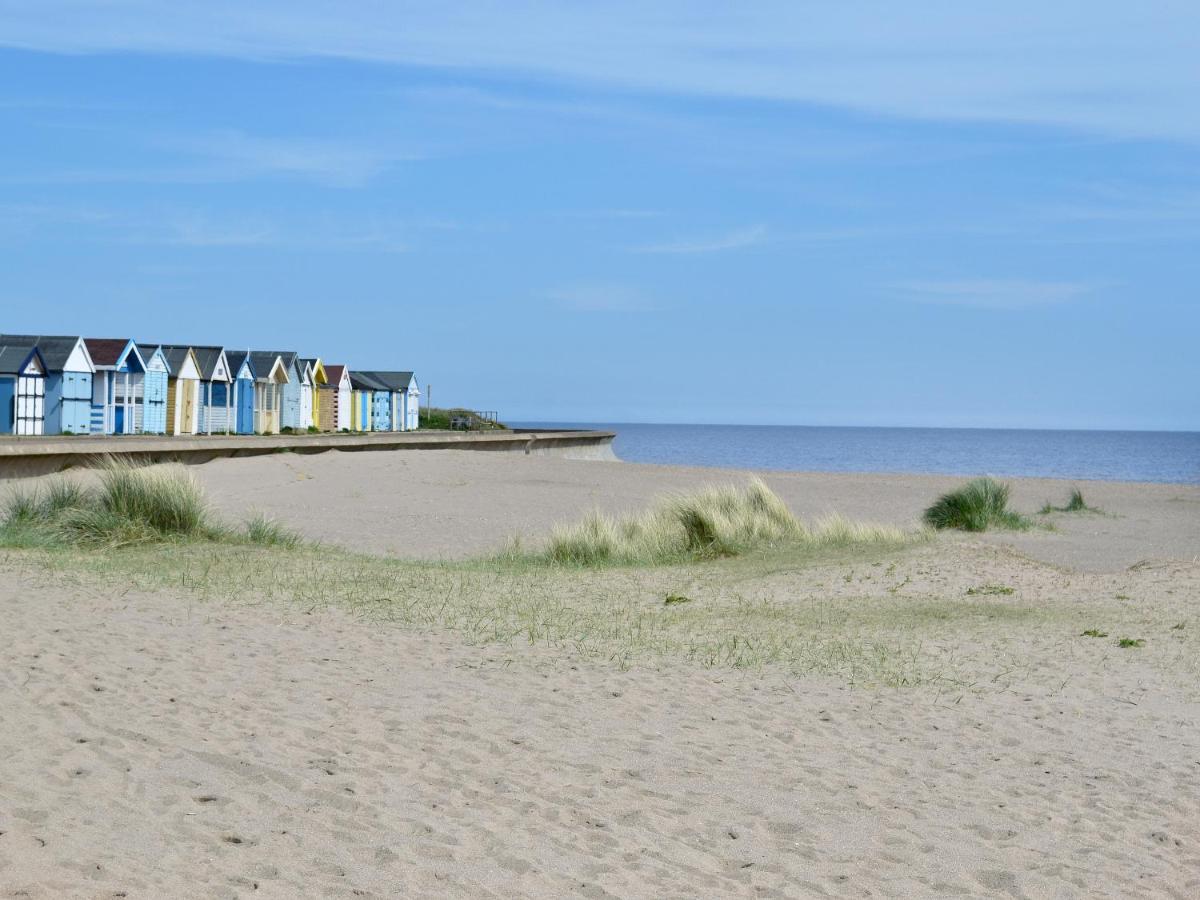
x,y
377,408
272,378
216,394
22,389
288,414
69,370
336,399
118,387
313,378
183,389
153,414
242,392
399,409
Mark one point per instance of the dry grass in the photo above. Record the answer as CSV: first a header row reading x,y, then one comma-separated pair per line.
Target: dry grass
x,y
131,505
718,521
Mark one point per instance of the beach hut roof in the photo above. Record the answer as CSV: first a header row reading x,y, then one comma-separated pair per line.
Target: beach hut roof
x,y
106,351
366,381
206,357
56,349
265,361
147,352
14,357
238,358
334,373
392,381
288,356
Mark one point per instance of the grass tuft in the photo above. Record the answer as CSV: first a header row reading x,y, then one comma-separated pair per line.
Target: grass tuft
x,y
719,521
1075,503
269,533
976,506
131,505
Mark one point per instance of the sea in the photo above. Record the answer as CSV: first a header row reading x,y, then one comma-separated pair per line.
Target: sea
x,y
1162,456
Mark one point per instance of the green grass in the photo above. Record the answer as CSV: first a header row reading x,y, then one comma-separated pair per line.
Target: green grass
x,y
720,521
1131,642
1075,503
130,505
734,617
976,506
990,590
436,418
269,533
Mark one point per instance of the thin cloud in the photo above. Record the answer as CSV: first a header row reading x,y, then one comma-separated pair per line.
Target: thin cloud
x,y
603,298
1000,294
733,240
1110,68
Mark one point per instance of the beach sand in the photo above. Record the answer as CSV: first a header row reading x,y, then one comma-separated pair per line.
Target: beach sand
x,y
163,744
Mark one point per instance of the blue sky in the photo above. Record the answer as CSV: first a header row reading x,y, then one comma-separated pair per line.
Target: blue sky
x,y
873,213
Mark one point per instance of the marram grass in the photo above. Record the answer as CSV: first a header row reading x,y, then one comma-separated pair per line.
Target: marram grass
x,y
719,521
130,505
976,506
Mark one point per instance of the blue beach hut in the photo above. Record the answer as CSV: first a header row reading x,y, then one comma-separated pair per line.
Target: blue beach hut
x,y
22,390
69,371
157,406
377,397
241,367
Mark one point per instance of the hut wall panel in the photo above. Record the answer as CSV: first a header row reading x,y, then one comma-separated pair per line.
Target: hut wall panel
x,y
8,392
172,391
344,401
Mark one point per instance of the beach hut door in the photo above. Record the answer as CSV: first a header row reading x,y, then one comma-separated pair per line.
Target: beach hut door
x,y
188,386
31,404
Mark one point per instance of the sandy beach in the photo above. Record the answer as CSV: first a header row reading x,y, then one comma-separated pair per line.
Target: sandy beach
x,y
946,730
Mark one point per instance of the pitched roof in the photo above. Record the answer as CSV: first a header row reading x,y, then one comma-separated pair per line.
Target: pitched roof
x,y
176,355
106,351
206,357
55,349
236,358
288,356
264,361
334,373
366,381
14,355
392,381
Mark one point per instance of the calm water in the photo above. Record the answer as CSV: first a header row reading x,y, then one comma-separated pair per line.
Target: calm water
x,y
1172,456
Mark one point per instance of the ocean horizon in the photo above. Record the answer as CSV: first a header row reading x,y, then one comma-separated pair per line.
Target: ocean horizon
x,y
1156,456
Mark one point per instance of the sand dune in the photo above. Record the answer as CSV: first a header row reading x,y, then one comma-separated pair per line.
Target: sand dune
x,y
165,745
446,503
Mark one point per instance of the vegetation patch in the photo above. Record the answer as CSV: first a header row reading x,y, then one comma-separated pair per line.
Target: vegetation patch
x,y
1075,503
1131,642
1094,633
976,506
719,521
990,590
130,505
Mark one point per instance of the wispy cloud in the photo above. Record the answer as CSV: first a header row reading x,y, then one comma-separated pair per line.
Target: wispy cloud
x,y
1112,68
232,156
732,240
1001,294
604,298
